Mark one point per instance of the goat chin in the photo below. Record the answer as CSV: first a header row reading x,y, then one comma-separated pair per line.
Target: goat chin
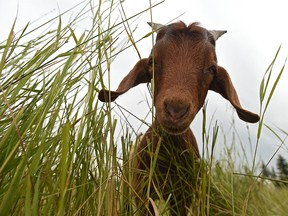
x,y
177,127
176,131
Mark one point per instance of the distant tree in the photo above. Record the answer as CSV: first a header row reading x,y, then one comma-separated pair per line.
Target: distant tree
x,y
282,167
265,171
273,173
280,174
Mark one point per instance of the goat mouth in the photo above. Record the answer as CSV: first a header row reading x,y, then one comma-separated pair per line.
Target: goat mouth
x,y
174,129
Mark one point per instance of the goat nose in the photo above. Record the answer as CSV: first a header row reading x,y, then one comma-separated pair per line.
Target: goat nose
x,y
176,110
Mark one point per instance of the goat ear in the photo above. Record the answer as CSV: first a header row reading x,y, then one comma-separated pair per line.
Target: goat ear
x,y
139,74
223,85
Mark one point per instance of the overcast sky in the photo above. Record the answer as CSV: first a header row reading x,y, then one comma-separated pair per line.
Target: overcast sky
x,y
255,31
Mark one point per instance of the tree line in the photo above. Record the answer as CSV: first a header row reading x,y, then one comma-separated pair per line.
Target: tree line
x,y
280,174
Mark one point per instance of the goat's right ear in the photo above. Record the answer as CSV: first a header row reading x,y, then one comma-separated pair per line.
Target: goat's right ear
x,y
139,74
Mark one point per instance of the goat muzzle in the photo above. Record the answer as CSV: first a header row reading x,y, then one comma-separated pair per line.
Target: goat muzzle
x,y
175,115
176,111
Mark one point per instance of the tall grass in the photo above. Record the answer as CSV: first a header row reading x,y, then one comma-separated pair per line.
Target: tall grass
x,y
58,151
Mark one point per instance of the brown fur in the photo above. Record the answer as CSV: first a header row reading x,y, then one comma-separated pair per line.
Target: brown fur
x,y
185,68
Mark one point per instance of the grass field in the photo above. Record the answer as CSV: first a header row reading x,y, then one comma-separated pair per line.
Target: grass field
x,y
58,151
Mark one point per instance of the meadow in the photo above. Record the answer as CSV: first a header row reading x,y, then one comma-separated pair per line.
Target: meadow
x,y
59,154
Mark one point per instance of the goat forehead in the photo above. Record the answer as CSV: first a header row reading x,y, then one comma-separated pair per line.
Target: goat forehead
x,y
182,42
185,54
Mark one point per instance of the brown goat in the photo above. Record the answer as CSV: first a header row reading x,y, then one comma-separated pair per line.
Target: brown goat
x,y
184,66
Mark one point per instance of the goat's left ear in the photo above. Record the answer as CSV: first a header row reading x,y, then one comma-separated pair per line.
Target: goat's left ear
x,y
223,85
139,74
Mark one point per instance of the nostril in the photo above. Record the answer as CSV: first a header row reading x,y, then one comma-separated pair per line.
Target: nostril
x,y
176,110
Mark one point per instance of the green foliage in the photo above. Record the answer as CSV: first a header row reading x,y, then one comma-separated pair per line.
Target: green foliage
x,y
265,97
59,154
57,150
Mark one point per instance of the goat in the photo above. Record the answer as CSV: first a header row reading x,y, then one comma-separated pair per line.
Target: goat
x,y
183,64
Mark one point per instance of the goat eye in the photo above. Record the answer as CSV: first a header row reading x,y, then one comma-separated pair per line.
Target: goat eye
x,y
151,61
212,70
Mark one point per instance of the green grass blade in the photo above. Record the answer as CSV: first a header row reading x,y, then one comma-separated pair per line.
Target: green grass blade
x,y
28,196
7,47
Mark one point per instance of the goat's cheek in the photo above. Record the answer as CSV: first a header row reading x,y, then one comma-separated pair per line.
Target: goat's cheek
x,y
158,102
204,87
160,112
